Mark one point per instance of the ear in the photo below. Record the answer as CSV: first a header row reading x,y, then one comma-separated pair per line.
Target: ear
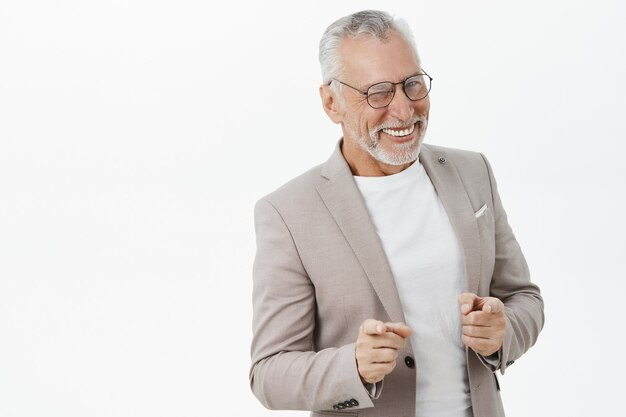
x,y
331,104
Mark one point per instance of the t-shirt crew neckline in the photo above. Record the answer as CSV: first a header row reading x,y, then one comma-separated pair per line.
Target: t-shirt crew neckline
x,y
398,180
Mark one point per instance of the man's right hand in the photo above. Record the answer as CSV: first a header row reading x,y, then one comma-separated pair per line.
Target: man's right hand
x,y
377,348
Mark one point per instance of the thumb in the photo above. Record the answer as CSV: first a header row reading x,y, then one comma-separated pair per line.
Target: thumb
x,y
467,301
400,329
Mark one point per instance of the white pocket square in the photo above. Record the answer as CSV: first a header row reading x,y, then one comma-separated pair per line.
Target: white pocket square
x,y
481,211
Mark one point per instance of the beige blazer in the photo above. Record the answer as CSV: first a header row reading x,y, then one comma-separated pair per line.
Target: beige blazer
x,y
320,270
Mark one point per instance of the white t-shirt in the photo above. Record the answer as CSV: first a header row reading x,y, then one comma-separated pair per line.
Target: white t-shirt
x,y
427,264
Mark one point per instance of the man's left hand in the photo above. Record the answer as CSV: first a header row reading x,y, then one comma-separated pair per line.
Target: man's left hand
x,y
483,321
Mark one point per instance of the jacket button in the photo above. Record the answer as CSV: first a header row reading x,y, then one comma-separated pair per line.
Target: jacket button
x,y
347,404
442,160
335,407
409,361
354,402
509,363
340,406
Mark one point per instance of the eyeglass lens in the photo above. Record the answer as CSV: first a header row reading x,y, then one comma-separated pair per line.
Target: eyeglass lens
x,y
416,88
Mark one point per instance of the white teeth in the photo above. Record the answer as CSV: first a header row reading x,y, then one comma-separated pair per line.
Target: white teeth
x,y
399,133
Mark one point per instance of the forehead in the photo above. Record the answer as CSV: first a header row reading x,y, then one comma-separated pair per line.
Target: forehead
x,y
367,60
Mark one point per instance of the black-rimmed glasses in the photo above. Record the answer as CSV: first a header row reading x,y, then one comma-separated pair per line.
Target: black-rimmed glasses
x,y
416,87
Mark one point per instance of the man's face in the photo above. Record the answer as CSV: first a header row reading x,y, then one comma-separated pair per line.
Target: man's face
x,y
391,135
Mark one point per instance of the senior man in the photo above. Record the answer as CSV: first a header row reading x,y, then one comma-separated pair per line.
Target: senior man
x,y
387,280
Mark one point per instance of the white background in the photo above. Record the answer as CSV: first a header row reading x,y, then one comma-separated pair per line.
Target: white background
x,y
135,137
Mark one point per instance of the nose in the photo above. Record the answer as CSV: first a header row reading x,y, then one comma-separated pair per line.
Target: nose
x,y
401,107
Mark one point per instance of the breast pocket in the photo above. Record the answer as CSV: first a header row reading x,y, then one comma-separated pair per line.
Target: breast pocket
x,y
486,230
485,222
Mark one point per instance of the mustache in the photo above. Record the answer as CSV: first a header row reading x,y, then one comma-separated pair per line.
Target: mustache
x,y
399,124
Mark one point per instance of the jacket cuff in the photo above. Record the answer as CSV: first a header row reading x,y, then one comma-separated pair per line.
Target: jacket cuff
x,y
353,393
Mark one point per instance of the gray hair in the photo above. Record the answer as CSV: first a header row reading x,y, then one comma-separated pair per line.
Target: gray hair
x,y
367,22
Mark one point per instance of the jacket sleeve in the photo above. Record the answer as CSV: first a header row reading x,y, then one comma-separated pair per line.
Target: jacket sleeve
x,y
523,304
286,372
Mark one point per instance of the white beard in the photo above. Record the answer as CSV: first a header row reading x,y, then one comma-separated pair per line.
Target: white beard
x,y
402,153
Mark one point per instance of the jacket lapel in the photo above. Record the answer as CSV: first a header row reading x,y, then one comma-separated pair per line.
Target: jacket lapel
x,y
450,189
345,203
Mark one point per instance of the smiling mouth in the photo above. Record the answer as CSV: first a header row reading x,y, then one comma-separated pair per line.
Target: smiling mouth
x,y
399,132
